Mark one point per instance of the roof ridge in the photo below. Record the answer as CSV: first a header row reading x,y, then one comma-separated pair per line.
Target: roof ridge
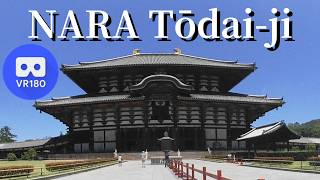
x,y
81,63
98,61
242,135
266,125
33,140
257,95
60,98
80,96
208,59
109,59
273,127
240,95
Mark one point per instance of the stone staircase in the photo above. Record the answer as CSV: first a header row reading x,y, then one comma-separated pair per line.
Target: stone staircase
x,y
184,154
135,155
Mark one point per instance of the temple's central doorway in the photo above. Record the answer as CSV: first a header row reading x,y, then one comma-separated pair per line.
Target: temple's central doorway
x,y
160,110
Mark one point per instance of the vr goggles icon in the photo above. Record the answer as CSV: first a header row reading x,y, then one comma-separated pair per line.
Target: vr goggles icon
x,y
27,65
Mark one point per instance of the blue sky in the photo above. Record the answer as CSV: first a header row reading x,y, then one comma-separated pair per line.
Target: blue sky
x,y
291,72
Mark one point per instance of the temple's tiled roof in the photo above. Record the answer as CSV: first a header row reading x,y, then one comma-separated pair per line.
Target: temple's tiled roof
x,y
112,98
25,144
158,59
265,130
84,100
306,140
234,98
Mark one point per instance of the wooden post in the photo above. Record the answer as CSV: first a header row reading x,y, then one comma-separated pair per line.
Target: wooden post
x,y
175,166
181,173
204,173
178,168
229,142
219,175
187,171
192,171
119,138
172,165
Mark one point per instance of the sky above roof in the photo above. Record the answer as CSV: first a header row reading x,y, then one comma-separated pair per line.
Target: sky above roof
x,y
292,71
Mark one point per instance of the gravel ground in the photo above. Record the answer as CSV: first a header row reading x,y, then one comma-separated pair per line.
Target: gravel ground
x,y
234,171
131,170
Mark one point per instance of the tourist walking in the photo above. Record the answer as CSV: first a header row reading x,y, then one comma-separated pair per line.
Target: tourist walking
x,y
120,160
143,158
166,159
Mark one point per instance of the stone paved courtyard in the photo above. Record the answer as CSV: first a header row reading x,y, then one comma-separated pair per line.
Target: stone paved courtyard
x,y
132,170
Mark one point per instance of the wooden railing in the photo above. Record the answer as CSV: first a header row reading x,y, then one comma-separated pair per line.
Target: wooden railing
x,y
187,172
4,173
43,171
72,165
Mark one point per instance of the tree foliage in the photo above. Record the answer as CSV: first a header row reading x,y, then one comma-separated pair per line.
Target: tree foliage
x,y
308,129
6,136
31,154
11,157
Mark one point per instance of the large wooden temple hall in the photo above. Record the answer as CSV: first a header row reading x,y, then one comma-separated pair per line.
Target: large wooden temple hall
x,y
130,101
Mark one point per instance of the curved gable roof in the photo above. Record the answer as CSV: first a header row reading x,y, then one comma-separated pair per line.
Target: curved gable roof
x,y
161,78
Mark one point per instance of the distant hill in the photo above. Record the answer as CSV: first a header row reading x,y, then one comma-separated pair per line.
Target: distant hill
x,y
307,129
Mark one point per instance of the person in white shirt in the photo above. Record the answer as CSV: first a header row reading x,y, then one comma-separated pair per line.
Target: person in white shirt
x,y
120,160
143,158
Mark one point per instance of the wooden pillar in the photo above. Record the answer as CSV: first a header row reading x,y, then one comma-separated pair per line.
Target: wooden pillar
x,y
118,131
89,111
229,141
249,149
70,132
248,126
175,120
196,138
123,139
202,127
154,147
146,138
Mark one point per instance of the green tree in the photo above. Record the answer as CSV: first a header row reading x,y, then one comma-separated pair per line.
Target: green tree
x,y
311,147
11,157
31,154
307,129
6,136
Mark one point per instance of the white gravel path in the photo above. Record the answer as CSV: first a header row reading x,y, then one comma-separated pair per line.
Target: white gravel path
x,y
130,170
